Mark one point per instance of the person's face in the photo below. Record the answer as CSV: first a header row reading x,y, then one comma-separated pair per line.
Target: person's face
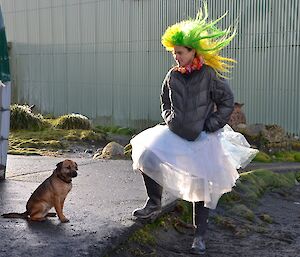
x,y
183,56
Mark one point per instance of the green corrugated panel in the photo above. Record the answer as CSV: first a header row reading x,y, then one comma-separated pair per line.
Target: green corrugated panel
x,y
5,95
4,61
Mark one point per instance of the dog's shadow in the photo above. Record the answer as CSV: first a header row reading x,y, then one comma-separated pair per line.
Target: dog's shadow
x,y
48,226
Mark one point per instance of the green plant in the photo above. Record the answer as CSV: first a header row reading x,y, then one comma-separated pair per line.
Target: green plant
x,y
185,209
128,150
115,130
125,131
297,157
73,121
266,218
243,211
262,157
21,117
50,140
253,184
143,236
285,156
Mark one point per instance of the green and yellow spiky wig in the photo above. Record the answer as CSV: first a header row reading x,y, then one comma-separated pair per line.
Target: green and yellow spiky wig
x,y
202,36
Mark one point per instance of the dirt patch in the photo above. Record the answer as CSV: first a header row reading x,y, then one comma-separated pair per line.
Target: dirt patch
x,y
273,231
89,150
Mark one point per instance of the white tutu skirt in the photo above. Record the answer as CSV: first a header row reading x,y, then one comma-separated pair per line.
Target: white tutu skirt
x,y
200,170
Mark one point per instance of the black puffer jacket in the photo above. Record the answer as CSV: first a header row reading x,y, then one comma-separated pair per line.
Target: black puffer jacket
x,y
188,100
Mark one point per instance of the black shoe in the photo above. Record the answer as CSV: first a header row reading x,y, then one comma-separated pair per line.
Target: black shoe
x,y
147,212
198,246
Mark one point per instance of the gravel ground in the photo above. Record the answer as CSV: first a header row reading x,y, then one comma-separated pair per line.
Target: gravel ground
x,y
236,237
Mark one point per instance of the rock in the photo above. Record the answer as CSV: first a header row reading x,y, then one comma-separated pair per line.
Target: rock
x,y
112,150
252,133
274,134
120,139
253,130
295,145
238,116
241,126
267,138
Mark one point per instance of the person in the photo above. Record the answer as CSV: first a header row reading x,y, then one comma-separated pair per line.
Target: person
x,y
194,155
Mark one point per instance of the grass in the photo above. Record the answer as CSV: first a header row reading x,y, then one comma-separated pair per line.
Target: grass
x,y
287,156
115,130
238,205
143,240
32,134
282,156
22,117
50,140
262,157
72,121
237,215
253,184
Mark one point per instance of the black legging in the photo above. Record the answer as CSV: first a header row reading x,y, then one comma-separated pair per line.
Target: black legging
x,y
200,218
200,213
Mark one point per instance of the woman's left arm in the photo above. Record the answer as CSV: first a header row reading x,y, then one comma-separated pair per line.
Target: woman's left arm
x,y
222,96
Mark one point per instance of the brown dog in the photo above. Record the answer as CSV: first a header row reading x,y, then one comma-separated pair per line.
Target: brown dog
x,y
51,193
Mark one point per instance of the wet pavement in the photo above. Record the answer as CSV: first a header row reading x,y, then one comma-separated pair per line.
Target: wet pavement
x,y
99,207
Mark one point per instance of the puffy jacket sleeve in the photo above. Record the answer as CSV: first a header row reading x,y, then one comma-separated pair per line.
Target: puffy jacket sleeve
x,y
172,103
222,96
165,102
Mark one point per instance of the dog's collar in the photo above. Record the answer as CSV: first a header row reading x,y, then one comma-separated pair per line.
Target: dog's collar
x,y
63,179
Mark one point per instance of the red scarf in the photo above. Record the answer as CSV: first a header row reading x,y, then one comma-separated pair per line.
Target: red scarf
x,y
196,64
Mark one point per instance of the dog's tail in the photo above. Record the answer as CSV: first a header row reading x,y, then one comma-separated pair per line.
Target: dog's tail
x,y
15,215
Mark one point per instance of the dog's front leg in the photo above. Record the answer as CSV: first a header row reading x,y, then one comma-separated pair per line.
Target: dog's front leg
x,y
58,205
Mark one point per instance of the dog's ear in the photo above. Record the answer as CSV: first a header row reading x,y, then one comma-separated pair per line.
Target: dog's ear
x,y
59,165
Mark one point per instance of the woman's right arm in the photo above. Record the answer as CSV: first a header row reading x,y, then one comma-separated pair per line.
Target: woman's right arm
x,y
172,108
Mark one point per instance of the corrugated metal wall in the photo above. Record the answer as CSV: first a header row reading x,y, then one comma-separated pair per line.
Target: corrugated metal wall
x,y
104,59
